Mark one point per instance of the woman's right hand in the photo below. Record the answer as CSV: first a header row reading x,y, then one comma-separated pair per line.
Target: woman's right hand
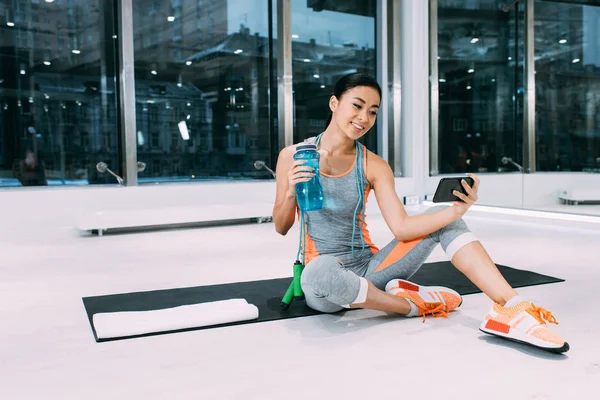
x,y
297,174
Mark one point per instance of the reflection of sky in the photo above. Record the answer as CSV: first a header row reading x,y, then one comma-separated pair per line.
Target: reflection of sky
x,y
325,27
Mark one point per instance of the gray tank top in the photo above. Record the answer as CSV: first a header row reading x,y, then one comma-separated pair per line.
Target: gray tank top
x,y
330,230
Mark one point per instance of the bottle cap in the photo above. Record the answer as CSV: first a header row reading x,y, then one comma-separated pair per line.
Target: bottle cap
x,y
306,146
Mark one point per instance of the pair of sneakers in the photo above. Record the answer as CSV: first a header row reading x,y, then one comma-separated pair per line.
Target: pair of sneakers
x,y
523,322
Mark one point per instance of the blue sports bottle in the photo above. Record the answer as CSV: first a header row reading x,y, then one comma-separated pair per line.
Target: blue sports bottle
x,y
309,195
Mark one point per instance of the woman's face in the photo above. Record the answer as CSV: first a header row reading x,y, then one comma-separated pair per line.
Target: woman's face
x,y
355,112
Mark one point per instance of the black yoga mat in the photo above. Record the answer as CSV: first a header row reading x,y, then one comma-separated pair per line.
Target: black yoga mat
x,y
267,294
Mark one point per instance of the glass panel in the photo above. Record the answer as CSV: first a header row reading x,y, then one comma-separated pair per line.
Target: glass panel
x,y
329,40
567,80
203,71
57,93
567,65
480,61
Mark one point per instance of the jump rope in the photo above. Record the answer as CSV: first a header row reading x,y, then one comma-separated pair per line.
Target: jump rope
x,y
360,187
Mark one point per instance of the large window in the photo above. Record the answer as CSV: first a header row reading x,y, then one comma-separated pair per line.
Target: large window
x,y
203,70
567,65
480,75
329,40
57,92
205,75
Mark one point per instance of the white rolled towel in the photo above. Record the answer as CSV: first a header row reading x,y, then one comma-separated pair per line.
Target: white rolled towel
x,y
132,323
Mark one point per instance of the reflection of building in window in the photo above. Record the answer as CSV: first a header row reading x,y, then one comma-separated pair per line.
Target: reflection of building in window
x,y
81,117
481,81
567,72
107,140
84,140
317,123
459,124
72,123
176,167
236,140
156,167
202,143
476,79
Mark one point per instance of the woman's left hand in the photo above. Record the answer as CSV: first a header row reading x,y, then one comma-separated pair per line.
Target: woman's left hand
x,y
470,198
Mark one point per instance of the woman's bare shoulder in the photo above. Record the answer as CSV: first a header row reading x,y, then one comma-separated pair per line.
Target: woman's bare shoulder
x,y
377,167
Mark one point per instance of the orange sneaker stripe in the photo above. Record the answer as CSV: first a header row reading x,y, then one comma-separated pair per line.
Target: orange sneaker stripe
x,y
497,326
408,286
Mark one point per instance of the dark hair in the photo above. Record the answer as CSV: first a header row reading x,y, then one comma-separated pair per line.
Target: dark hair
x,y
351,81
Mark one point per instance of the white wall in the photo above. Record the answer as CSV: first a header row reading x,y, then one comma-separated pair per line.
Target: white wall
x,y
24,210
38,209
44,208
542,188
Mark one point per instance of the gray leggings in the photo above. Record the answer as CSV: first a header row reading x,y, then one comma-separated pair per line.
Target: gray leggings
x,y
329,287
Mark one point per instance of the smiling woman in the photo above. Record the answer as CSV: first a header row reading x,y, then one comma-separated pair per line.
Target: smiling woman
x,y
351,109
344,269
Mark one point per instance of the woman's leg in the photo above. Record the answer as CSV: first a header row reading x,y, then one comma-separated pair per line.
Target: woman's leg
x,y
473,261
469,257
379,300
329,287
400,260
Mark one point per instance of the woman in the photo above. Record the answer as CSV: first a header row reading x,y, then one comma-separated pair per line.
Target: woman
x,y
344,269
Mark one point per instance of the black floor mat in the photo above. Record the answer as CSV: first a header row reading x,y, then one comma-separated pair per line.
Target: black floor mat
x,y
267,294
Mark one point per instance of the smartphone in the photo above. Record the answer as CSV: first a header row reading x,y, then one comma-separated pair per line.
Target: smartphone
x,y
443,193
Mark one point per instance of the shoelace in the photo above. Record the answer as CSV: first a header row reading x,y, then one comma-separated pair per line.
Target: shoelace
x,y
541,314
435,309
425,309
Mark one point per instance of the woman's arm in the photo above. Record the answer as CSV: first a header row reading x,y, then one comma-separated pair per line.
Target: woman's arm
x,y
403,226
288,173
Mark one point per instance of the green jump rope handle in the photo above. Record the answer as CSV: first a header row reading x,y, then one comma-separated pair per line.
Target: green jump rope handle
x,y
287,298
298,267
295,288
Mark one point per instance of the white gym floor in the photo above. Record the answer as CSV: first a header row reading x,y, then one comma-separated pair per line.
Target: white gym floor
x,y
47,350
